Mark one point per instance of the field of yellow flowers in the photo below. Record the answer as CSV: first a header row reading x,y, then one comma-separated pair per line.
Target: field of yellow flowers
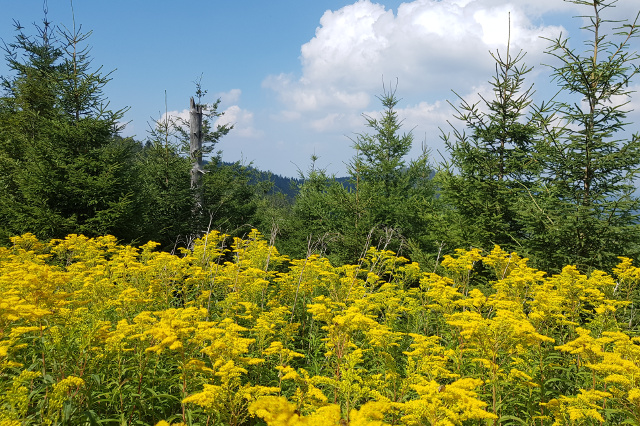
x,y
233,333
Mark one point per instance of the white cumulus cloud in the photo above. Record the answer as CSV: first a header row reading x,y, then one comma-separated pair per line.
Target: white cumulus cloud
x,y
428,45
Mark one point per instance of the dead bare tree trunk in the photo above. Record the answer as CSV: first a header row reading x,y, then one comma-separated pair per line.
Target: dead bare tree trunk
x,y
195,125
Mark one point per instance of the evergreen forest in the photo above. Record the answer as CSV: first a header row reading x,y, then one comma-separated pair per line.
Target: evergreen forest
x,y
496,286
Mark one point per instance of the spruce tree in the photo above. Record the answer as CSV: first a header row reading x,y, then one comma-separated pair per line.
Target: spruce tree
x,y
493,162
165,182
313,222
380,156
390,195
63,167
585,210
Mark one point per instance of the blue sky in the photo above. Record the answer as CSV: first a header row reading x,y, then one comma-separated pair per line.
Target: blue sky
x,y
296,76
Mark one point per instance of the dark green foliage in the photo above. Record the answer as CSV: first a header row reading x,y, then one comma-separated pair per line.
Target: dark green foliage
x,y
493,166
395,199
556,185
229,198
387,203
390,194
379,159
279,184
230,201
165,184
64,169
585,210
318,219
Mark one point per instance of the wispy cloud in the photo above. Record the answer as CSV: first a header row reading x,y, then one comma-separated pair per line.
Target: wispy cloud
x,y
242,121
230,97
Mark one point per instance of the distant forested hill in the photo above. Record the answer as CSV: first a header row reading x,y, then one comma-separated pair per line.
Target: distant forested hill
x,y
288,186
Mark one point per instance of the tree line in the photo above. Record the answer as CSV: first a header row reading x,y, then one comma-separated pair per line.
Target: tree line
x,y
553,181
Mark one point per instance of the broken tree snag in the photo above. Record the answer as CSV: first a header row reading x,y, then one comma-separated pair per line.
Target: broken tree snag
x,y
195,151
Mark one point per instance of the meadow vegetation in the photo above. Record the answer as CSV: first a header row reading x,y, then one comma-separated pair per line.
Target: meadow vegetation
x,y
368,312
232,332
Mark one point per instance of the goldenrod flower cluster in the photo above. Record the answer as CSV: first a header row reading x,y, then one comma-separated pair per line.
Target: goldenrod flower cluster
x,y
232,333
